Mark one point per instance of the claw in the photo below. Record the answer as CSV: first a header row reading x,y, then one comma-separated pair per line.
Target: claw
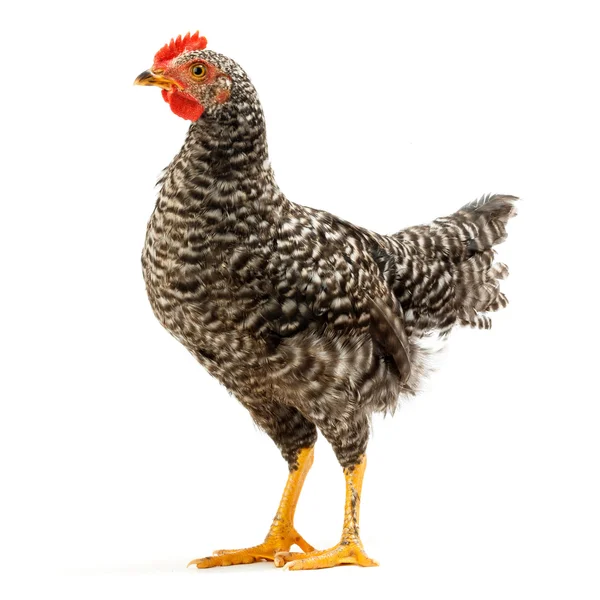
x,y
281,558
196,561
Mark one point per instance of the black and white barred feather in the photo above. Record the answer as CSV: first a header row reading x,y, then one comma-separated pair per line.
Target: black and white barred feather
x,y
310,321
444,273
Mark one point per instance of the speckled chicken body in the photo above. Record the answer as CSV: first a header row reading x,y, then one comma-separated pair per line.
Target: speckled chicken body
x,y
309,321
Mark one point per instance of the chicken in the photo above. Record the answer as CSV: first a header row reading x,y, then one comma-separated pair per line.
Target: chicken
x,y
312,323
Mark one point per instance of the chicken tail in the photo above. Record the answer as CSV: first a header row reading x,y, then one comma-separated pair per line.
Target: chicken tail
x,y
480,226
444,272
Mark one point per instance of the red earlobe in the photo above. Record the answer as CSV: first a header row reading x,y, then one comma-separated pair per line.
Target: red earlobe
x,y
223,96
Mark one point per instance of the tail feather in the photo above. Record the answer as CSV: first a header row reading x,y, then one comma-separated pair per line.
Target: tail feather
x,y
499,271
445,272
483,225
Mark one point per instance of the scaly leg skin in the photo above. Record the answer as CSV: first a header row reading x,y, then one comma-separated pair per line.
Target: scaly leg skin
x,y
350,550
282,534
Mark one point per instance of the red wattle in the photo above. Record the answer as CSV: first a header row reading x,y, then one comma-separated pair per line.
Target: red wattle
x,y
182,105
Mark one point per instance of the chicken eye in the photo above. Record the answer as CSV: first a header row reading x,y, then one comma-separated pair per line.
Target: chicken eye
x,y
198,71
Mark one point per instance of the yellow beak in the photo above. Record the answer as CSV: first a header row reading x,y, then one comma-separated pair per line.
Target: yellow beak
x,y
157,79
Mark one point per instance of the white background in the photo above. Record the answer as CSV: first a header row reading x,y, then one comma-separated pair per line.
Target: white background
x,y
122,459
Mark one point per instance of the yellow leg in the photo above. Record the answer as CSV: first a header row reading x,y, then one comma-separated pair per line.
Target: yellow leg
x,y
282,534
350,550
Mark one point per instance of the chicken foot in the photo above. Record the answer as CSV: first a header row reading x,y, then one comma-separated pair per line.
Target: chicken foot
x,y
350,549
282,534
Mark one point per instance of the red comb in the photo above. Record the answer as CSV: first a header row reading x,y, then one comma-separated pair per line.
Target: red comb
x,y
181,44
